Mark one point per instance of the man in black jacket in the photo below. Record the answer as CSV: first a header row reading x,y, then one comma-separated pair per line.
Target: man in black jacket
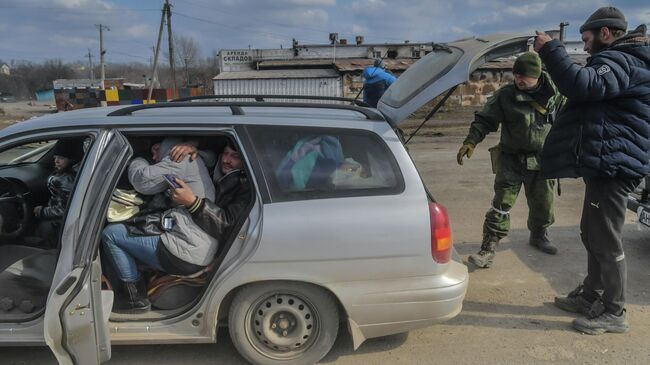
x,y
603,136
233,195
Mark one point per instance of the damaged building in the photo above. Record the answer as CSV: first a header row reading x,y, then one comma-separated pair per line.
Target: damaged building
x,y
335,69
332,69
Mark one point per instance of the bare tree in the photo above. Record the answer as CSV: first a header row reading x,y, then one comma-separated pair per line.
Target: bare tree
x,y
187,55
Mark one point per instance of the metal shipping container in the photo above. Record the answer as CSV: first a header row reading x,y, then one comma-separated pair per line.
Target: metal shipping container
x,y
318,82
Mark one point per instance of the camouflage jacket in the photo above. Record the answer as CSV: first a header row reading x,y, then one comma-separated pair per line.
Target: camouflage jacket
x,y
525,117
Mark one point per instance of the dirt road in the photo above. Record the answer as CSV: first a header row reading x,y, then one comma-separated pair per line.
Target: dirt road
x,y
507,317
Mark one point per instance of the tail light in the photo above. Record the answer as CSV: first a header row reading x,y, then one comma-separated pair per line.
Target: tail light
x,y
441,242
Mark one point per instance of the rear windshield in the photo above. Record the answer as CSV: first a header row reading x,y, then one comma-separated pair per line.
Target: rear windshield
x,y
316,163
421,74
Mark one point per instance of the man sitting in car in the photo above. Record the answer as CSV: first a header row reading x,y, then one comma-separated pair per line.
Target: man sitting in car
x,y
184,249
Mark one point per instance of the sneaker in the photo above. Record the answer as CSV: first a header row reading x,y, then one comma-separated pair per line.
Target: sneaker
x,y
574,302
605,322
483,259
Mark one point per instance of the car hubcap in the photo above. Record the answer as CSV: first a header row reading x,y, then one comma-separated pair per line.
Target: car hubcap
x,y
283,325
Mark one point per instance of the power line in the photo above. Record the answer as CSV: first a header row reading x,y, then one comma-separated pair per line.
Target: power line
x,y
300,27
71,10
236,26
130,55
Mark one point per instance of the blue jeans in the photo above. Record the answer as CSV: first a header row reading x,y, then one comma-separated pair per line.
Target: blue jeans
x,y
124,250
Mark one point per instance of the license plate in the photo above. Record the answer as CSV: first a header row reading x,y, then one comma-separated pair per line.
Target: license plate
x,y
644,216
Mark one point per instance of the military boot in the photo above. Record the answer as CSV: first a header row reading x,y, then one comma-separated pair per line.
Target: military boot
x,y
539,240
485,257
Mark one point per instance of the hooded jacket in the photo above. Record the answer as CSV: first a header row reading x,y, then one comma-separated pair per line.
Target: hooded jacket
x,y
376,81
185,247
148,179
604,129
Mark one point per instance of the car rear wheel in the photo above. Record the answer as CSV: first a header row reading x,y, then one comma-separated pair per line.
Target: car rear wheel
x,y
283,323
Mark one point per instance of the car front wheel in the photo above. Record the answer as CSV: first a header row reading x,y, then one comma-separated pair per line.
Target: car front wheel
x,y
283,323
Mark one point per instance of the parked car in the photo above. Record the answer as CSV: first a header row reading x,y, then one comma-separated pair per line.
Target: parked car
x,y
349,236
639,202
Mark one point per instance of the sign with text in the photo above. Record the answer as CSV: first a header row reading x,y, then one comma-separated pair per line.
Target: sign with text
x,y
237,56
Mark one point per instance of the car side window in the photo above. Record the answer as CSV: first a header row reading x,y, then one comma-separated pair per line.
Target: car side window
x,y
26,153
316,163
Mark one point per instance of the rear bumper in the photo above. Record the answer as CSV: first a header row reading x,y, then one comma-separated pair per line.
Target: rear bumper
x,y
385,307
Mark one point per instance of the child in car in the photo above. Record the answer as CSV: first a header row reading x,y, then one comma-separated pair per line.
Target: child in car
x,y
67,154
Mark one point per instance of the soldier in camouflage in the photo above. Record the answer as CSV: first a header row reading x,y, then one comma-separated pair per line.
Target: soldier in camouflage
x,y
525,111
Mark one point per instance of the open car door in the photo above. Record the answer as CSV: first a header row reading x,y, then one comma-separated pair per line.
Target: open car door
x,y
445,67
77,312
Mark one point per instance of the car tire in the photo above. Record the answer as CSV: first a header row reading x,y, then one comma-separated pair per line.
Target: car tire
x,y
284,323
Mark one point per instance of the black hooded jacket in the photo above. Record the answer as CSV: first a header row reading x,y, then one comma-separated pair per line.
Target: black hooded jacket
x,y
604,129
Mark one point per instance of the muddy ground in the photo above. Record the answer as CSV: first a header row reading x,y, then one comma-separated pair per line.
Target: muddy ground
x,y
507,317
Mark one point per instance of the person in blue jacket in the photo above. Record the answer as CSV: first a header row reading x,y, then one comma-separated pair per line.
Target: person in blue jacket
x,y
375,82
602,135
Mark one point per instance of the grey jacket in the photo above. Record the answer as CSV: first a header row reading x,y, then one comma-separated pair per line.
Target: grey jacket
x,y
185,240
148,179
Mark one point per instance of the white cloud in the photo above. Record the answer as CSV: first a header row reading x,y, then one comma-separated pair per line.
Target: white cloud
x,y
310,2
81,4
525,10
66,41
139,31
368,5
359,29
300,16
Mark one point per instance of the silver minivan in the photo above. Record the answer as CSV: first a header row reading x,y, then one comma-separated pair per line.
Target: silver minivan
x,y
341,230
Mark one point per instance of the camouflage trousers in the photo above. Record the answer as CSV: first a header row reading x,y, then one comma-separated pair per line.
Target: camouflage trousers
x,y
511,173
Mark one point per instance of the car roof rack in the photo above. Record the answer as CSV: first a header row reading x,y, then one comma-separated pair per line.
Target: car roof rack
x,y
236,107
261,98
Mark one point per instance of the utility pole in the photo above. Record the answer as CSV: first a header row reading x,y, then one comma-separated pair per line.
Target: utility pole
x,y
90,65
102,51
154,74
170,39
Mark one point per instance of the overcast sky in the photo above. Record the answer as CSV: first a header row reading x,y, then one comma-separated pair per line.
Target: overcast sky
x,y
36,30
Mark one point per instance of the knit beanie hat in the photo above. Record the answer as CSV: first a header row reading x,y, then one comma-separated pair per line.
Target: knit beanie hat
x,y
528,64
607,16
71,148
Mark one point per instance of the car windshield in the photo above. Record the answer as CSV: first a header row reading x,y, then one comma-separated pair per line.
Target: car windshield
x,y
30,152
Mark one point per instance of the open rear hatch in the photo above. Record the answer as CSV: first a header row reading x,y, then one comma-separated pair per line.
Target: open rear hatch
x,y
445,67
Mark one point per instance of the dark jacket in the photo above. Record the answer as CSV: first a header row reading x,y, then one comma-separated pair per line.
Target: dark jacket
x,y
604,129
233,197
60,186
215,219
523,126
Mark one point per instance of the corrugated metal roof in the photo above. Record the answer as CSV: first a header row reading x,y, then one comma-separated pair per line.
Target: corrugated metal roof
x,y
343,64
278,74
285,63
347,65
